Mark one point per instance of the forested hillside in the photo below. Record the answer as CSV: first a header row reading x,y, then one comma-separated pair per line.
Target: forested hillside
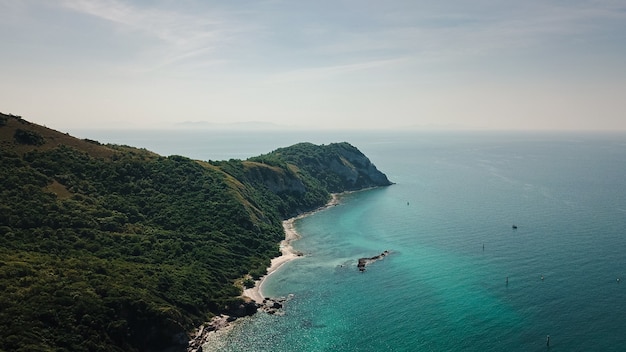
x,y
107,247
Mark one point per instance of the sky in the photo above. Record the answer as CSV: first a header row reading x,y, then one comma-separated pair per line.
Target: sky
x,y
340,64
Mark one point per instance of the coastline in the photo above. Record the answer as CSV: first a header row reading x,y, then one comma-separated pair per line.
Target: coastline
x,y
213,335
288,252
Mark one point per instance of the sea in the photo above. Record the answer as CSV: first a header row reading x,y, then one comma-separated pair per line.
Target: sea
x,y
498,241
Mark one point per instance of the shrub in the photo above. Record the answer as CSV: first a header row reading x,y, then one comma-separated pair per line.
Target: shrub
x,y
28,137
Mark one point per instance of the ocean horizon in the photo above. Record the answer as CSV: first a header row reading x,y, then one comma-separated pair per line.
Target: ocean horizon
x,y
496,241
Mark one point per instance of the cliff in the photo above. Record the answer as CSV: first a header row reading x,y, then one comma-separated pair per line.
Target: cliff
x,y
107,247
338,166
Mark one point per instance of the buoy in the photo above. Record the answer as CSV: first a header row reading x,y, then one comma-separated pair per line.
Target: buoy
x,y
548,340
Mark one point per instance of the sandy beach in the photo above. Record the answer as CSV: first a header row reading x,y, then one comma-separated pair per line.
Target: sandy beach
x,y
288,252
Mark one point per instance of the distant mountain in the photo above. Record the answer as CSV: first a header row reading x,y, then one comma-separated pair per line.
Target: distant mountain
x,y
246,125
113,248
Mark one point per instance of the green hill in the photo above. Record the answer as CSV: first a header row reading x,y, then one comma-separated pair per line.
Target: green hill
x,y
108,247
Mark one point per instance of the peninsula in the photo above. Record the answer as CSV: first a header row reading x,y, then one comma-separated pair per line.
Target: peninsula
x,y
113,248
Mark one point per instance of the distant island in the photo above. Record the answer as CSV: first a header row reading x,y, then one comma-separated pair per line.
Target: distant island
x,y
113,248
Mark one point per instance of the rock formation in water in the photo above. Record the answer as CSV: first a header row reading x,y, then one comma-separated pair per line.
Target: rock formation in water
x,y
365,261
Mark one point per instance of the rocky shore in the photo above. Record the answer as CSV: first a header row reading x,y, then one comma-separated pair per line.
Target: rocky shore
x,y
223,321
268,305
257,302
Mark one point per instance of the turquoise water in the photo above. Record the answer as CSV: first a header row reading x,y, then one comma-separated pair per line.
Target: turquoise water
x,y
448,224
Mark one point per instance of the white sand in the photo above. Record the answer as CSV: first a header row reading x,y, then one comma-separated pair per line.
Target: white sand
x,y
288,252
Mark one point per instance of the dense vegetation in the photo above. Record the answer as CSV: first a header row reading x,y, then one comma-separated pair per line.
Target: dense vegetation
x,y
106,247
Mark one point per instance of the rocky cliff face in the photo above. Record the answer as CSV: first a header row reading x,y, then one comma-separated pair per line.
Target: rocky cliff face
x,y
339,166
355,168
302,176
277,180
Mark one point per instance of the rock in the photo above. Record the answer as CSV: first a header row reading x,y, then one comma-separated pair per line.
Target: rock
x,y
200,331
270,306
273,305
364,261
243,309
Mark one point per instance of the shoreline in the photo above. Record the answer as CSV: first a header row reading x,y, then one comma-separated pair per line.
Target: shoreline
x,y
221,325
288,252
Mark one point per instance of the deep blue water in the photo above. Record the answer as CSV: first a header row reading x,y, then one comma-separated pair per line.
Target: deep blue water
x,y
448,224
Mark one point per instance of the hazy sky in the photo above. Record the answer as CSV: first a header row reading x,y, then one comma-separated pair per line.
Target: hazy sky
x,y
479,64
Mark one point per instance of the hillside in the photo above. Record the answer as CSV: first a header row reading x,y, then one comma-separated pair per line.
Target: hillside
x,y
107,247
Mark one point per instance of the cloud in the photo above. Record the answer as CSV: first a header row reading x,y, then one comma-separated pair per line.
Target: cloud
x,y
183,36
270,33
170,26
